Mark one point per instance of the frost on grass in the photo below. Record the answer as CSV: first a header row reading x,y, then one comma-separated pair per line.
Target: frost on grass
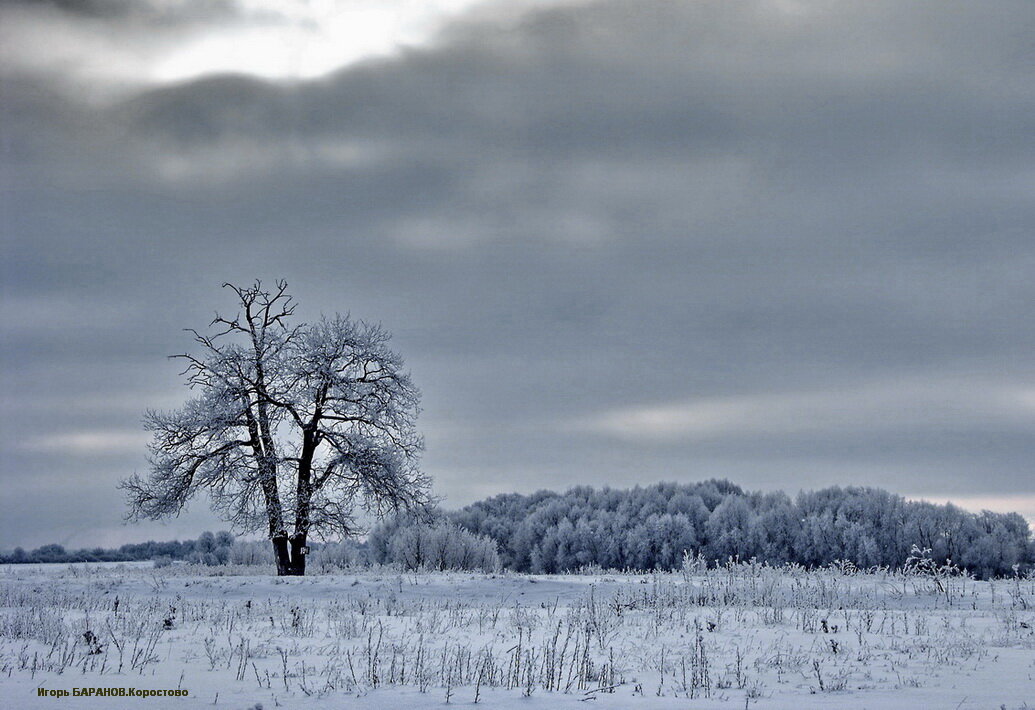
x,y
741,635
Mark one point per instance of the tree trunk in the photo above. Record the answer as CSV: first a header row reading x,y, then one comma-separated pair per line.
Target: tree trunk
x,y
298,553
303,496
280,552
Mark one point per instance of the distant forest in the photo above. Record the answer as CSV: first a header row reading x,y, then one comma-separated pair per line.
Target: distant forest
x,y
644,528
209,548
649,528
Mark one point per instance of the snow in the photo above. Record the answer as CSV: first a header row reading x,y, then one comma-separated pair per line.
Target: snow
x,y
735,637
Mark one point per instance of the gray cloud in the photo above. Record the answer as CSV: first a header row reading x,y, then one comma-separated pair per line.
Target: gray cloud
x,y
564,216
182,10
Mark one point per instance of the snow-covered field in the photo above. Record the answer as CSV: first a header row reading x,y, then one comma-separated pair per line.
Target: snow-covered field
x,y
743,636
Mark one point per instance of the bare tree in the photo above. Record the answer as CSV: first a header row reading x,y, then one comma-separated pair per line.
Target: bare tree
x,y
296,427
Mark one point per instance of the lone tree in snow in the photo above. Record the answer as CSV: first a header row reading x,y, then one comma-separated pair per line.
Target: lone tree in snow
x,y
292,427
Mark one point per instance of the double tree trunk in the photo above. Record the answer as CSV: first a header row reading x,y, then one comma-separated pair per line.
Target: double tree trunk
x,y
291,551
290,554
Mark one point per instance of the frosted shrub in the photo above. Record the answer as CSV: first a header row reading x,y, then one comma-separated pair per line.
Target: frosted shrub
x,y
939,577
443,546
36,623
693,564
337,555
251,552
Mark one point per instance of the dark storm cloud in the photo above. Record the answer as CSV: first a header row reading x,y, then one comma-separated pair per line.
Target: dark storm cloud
x,y
787,243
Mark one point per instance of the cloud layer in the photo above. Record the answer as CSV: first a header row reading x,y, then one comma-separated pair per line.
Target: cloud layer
x,y
789,243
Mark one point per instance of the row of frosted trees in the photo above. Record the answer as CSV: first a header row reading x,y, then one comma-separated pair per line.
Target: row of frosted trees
x,y
434,545
209,548
642,529
649,528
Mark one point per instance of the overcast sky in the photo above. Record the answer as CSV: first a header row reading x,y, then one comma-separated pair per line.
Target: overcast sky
x,y
789,243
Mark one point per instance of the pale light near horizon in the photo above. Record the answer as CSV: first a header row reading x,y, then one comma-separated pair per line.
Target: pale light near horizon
x,y
902,404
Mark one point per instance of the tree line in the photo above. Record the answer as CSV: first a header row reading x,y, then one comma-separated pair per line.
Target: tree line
x,y
643,528
649,528
210,548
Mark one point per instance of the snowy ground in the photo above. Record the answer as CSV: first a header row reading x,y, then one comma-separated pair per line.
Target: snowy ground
x,y
746,636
